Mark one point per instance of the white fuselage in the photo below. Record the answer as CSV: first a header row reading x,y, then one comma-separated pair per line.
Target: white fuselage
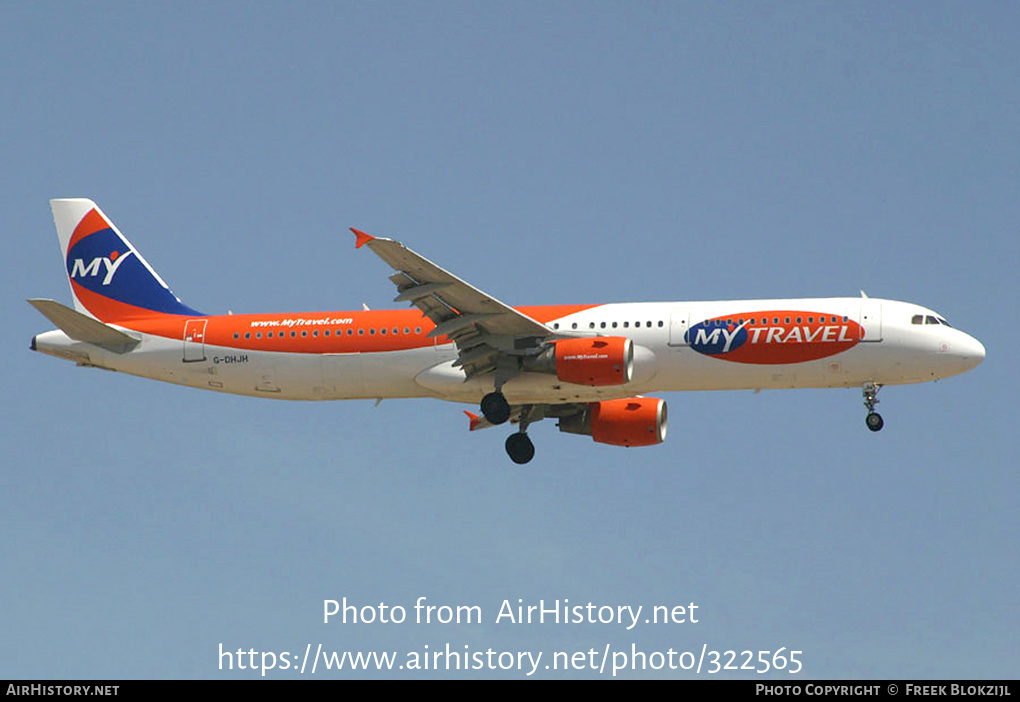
x,y
751,345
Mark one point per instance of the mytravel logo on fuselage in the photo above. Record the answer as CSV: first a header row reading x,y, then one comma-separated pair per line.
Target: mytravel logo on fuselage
x,y
774,337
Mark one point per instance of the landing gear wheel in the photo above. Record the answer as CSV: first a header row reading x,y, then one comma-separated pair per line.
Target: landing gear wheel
x,y
874,419
520,448
495,408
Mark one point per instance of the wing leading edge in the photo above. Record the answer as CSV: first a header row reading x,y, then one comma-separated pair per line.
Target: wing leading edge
x,y
490,335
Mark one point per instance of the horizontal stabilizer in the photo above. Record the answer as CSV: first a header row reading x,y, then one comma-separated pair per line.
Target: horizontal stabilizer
x,y
81,327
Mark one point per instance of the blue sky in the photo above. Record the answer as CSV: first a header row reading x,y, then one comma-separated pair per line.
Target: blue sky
x,y
547,153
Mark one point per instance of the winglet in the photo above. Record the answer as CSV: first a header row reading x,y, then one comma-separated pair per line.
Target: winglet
x,y
362,238
475,420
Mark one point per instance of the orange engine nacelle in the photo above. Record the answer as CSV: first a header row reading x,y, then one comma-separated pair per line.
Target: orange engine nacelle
x,y
634,421
603,360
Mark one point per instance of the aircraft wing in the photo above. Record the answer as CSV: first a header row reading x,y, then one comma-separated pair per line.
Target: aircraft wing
x,y
482,327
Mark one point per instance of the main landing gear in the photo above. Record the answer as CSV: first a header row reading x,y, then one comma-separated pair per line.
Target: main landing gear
x,y
495,408
518,445
519,448
874,419
497,411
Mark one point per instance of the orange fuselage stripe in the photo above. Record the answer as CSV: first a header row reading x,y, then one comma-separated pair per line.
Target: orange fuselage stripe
x,y
306,332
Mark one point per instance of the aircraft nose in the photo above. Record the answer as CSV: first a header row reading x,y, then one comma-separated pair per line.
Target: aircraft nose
x,y
970,351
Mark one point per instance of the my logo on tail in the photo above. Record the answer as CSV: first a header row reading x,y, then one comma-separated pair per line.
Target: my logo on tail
x,y
111,279
112,263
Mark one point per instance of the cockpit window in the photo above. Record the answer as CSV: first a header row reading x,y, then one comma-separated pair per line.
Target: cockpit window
x,y
929,319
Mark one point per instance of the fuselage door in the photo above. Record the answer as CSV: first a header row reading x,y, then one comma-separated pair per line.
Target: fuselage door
x,y
679,323
194,340
871,320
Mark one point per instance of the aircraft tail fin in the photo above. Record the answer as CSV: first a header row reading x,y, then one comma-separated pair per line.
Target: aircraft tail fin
x,y
109,279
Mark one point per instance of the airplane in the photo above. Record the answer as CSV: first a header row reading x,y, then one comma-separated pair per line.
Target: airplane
x,y
588,366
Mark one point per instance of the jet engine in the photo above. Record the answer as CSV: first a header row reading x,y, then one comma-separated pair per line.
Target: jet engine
x,y
597,361
633,421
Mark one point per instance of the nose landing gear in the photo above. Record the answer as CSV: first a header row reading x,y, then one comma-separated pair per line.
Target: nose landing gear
x,y
874,419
